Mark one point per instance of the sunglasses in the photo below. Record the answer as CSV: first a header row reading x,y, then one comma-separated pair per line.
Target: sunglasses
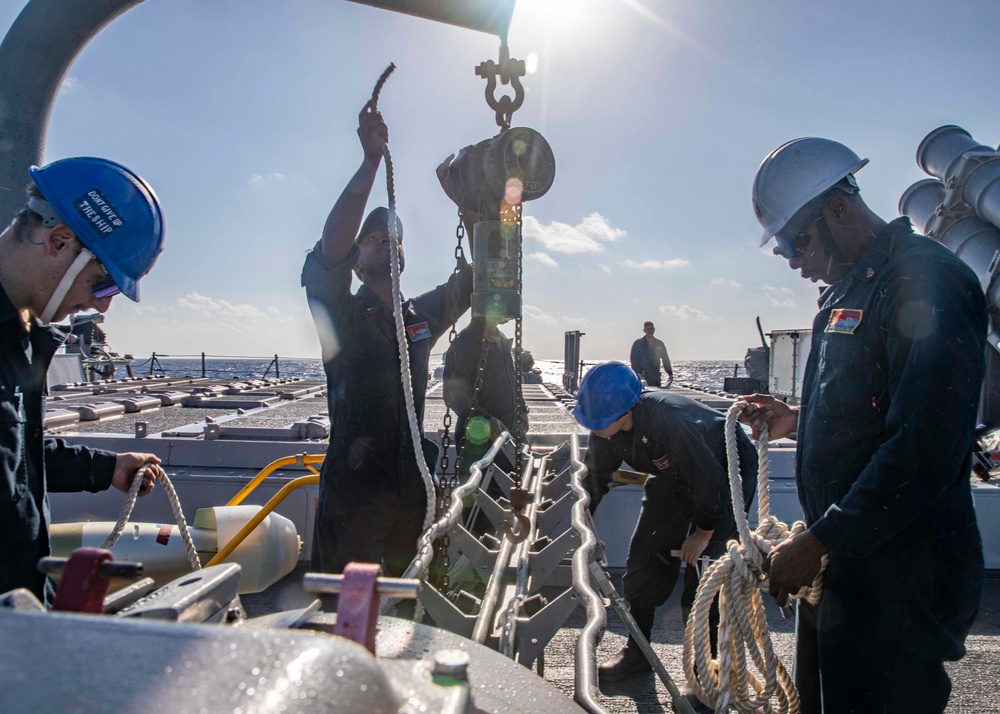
x,y
794,239
104,288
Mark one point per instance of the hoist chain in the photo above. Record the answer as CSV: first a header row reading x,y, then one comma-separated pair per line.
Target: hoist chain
x,y
447,482
519,399
474,402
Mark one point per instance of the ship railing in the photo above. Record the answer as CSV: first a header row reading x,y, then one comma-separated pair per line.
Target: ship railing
x,y
306,460
155,364
512,589
585,687
420,565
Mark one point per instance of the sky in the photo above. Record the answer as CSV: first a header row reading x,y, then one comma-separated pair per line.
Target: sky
x,y
242,114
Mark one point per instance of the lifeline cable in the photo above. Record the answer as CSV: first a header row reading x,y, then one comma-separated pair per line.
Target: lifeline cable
x,y
175,505
736,577
397,312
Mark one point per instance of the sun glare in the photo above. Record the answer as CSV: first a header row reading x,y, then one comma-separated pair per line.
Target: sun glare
x,y
576,21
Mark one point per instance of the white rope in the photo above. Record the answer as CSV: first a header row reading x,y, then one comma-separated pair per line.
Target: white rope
x,y
404,353
737,578
175,506
397,313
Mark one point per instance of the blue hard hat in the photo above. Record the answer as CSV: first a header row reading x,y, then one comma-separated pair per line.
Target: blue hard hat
x,y
606,393
112,211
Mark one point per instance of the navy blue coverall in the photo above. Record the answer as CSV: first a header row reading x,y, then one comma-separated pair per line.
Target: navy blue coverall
x,y
497,393
372,499
33,464
681,444
885,433
646,357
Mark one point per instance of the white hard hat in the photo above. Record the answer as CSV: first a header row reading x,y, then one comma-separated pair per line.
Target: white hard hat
x,y
794,174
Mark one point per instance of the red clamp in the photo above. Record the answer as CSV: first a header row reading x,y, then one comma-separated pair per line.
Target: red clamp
x,y
358,604
83,586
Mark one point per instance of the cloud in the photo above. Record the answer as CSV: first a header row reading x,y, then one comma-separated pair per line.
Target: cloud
x,y
779,297
653,264
724,282
241,318
574,321
588,236
70,85
262,179
605,269
536,313
684,312
543,258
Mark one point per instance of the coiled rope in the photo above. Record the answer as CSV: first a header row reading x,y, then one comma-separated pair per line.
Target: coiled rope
x,y
737,578
175,505
397,312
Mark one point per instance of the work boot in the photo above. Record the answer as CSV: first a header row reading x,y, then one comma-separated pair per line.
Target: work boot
x,y
687,693
626,664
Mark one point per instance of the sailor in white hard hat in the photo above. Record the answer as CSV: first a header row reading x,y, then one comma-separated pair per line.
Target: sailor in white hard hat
x,y
885,430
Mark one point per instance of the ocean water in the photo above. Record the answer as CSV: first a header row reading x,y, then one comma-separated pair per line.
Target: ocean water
x,y
701,374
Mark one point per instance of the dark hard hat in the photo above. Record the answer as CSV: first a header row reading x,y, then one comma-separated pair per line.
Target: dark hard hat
x,y
379,218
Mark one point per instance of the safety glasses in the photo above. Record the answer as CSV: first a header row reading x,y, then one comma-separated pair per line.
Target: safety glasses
x,y
104,288
794,238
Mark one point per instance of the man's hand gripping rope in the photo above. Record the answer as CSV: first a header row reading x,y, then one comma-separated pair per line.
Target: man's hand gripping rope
x,y
737,578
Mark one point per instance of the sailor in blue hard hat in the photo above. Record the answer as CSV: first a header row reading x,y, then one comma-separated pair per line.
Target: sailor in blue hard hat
x,y
90,229
686,507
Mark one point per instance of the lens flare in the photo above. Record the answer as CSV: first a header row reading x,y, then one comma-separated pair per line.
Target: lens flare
x,y
513,191
477,431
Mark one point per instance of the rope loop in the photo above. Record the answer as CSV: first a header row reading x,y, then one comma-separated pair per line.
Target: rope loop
x,y
737,578
175,505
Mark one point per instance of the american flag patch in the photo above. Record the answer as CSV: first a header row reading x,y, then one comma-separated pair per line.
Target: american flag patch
x,y
844,322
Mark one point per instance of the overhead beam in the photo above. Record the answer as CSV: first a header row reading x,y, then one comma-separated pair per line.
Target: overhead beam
x,y
490,16
34,58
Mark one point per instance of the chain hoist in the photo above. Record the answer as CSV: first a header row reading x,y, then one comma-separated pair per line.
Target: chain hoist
x,y
493,178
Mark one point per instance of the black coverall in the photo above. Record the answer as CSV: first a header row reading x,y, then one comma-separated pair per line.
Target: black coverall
x,y
497,396
646,357
372,498
885,433
32,463
681,444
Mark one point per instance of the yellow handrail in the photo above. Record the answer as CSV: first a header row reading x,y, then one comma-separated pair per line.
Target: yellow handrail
x,y
262,513
303,459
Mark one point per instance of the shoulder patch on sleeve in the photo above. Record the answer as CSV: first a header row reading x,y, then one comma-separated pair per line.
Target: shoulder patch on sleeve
x,y
420,331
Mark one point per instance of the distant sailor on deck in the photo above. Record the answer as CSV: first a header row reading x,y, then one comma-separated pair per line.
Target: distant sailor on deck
x,y
647,354
885,432
91,229
372,499
686,504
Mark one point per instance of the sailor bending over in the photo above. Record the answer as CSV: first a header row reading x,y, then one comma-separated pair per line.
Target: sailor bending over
x,y
686,505
885,432
90,230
